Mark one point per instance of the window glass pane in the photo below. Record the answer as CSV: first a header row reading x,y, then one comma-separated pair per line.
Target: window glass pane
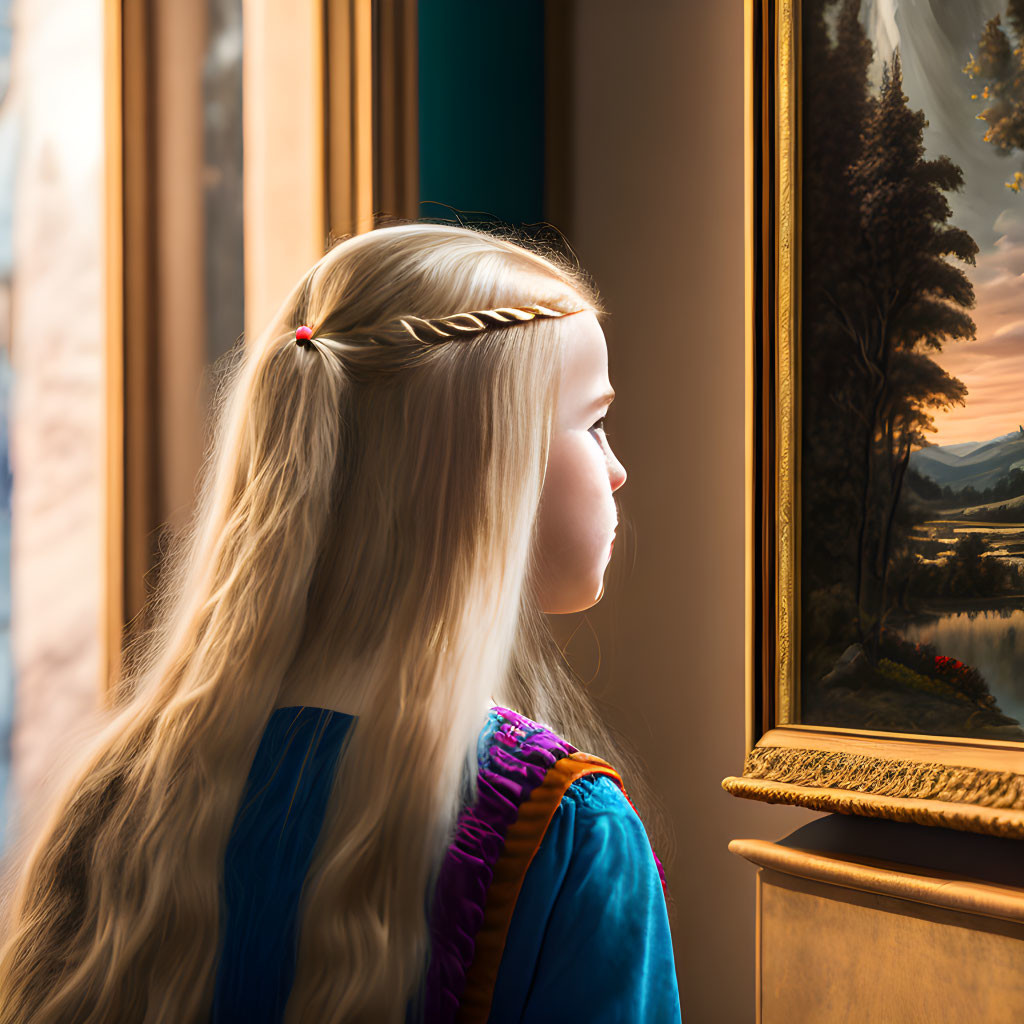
x,y
222,175
7,147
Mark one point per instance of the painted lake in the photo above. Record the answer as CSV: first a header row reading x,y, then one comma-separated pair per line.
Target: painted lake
x,y
992,641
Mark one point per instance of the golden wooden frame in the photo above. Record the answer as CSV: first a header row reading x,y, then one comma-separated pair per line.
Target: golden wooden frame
x,y
155,304
970,784
130,500
112,595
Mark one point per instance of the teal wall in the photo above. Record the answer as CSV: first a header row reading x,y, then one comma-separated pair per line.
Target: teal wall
x,y
481,117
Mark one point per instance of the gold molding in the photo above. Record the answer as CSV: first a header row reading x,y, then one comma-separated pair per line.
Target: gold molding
x,y
750,580
787,427
113,597
986,754
863,874
975,785
963,817
893,777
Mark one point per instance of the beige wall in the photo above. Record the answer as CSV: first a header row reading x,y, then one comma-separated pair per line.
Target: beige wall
x,y
658,221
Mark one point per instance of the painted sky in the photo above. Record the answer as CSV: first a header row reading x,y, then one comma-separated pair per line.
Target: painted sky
x,y
935,39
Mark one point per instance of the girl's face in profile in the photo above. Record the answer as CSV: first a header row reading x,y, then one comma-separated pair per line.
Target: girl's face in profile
x,y
577,517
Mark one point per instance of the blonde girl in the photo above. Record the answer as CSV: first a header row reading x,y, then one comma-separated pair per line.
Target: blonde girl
x,y
349,781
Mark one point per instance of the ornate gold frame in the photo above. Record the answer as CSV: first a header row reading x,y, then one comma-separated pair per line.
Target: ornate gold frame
x,y
971,784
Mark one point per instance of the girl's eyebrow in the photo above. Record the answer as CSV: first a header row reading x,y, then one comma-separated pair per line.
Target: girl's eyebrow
x,y
604,399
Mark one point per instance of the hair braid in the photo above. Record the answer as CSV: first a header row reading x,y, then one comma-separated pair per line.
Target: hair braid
x,y
428,332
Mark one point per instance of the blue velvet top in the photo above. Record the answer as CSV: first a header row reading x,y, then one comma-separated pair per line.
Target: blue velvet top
x,y
593,889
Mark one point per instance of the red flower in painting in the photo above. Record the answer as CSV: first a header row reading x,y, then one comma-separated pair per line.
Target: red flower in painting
x,y
921,657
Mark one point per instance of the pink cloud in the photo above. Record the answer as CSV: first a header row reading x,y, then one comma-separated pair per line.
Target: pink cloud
x,y
992,366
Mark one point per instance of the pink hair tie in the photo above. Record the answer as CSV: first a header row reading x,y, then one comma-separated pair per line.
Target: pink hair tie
x,y
302,336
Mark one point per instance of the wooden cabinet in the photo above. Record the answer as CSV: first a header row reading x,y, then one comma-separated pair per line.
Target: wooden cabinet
x,y
932,932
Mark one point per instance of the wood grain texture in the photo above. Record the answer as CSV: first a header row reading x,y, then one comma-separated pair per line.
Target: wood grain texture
x,y
918,885
830,954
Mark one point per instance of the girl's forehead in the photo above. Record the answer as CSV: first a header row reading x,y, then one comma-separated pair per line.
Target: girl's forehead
x,y
584,379
585,352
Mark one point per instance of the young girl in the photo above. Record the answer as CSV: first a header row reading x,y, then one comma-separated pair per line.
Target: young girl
x,y
319,804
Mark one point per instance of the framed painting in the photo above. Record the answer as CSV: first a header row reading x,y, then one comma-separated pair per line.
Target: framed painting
x,y
885,217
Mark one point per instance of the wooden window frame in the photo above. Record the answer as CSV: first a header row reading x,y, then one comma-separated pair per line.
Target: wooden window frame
x,y
330,128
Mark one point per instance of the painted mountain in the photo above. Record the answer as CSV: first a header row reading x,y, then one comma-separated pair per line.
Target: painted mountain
x,y
977,464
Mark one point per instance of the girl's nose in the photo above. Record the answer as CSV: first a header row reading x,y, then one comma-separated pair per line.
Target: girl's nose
x,y
617,473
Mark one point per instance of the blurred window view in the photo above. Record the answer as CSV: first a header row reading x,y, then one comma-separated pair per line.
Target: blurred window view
x,y
184,145
51,269
7,150
222,176
53,346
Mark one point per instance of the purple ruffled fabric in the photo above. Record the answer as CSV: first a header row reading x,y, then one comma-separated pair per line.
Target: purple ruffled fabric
x,y
519,755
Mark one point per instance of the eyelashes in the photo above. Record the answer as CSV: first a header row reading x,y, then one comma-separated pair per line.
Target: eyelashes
x,y
599,425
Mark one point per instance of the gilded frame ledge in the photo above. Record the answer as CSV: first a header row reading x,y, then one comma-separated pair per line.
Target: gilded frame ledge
x,y
974,783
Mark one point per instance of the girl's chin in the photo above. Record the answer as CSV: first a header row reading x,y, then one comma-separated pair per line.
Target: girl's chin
x,y
580,603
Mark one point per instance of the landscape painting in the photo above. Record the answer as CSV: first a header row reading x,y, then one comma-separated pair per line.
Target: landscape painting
x,y
911,349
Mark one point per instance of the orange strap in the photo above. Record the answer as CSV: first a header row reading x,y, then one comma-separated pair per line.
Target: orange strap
x,y
522,841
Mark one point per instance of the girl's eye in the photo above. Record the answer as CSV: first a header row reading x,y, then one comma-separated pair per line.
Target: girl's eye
x,y
599,425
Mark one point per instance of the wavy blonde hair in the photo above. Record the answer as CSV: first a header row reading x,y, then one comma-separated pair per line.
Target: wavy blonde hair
x,y
365,525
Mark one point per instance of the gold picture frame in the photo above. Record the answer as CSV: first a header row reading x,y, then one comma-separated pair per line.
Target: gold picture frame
x,y
972,784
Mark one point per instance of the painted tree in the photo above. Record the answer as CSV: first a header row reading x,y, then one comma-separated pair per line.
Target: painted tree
x,y
836,55
999,64
902,302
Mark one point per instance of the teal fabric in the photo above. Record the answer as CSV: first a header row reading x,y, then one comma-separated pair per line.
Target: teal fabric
x,y
269,852
590,939
592,894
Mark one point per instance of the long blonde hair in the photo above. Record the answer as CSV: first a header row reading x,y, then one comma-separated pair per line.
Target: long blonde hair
x,y
366,518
